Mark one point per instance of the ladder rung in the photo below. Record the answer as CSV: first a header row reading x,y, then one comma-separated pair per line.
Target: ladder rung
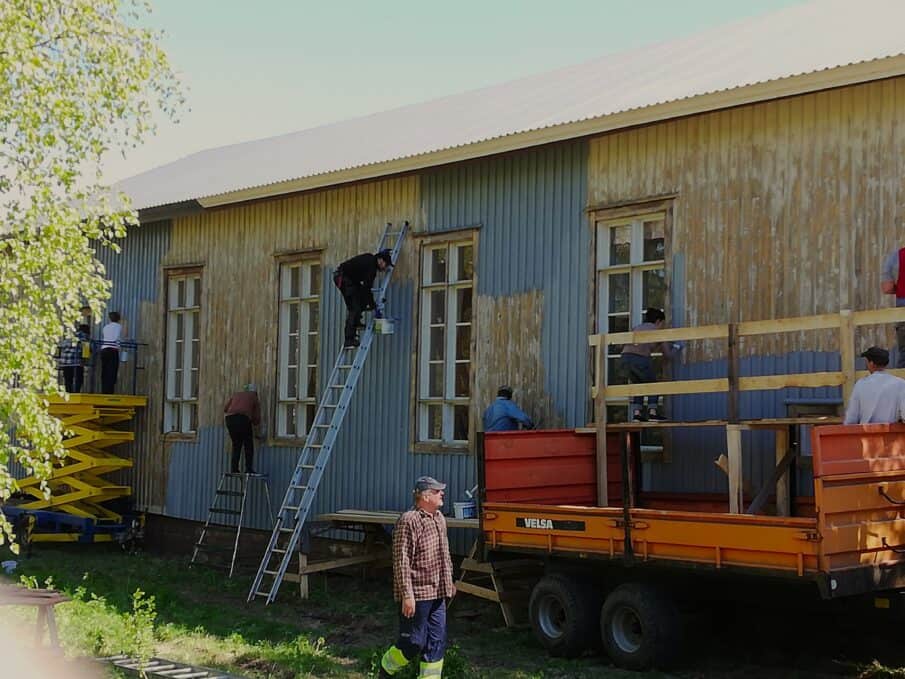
x,y
278,550
288,508
262,593
338,386
234,493
307,466
292,485
209,548
346,366
315,445
287,530
321,426
271,572
225,511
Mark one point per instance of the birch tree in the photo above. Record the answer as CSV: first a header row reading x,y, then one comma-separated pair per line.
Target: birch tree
x,y
78,79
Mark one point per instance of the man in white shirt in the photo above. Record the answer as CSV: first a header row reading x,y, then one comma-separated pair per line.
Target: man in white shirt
x,y
879,397
111,334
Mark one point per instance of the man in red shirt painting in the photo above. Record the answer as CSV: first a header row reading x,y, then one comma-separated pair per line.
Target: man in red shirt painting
x,y
422,583
243,414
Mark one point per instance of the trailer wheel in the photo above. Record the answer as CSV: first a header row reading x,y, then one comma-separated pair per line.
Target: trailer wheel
x,y
640,627
563,614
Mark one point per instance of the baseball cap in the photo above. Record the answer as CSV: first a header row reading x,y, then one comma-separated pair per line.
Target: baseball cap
x,y
877,355
428,483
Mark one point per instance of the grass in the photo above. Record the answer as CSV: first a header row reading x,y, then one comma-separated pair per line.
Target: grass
x,y
145,605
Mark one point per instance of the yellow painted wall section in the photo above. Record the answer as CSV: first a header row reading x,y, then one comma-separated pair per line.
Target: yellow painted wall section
x,y
785,208
238,248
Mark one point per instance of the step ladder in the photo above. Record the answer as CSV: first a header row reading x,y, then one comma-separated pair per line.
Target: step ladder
x,y
331,412
227,514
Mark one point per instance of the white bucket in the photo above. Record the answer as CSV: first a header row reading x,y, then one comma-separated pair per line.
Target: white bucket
x,y
384,326
464,510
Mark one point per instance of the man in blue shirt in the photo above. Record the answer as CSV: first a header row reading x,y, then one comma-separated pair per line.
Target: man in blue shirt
x,y
504,415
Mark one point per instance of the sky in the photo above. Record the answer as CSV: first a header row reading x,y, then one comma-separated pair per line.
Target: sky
x,y
257,68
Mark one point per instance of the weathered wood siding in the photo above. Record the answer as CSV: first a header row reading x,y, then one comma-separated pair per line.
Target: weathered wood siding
x,y
785,208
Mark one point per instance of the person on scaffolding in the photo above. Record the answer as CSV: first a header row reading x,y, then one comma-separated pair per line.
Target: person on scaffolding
x,y
637,361
354,278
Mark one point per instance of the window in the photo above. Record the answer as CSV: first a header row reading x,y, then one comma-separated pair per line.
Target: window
x,y
300,287
183,347
445,340
631,276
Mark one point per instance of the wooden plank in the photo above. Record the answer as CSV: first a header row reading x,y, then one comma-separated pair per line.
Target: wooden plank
x,y
332,564
847,353
795,324
700,332
734,455
670,388
600,367
475,566
769,382
781,468
356,516
478,591
783,488
879,316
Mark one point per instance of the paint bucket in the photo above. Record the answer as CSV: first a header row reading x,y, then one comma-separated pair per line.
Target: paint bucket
x,y
464,510
384,326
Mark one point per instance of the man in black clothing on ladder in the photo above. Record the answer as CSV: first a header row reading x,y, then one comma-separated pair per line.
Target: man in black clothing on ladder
x,y
355,278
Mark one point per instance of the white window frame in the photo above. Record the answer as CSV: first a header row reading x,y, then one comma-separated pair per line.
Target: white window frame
x,y
183,353
635,268
448,401
296,404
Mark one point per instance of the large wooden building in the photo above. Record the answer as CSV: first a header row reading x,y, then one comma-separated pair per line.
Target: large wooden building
x,y
751,172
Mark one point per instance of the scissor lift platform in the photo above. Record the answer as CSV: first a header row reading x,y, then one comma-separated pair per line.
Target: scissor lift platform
x,y
77,509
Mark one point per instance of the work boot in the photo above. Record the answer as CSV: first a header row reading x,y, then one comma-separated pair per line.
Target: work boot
x,y
655,416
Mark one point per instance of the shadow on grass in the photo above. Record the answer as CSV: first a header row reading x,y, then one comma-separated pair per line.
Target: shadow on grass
x,y
200,611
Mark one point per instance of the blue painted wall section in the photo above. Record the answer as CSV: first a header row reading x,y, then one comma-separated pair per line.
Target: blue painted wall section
x,y
534,235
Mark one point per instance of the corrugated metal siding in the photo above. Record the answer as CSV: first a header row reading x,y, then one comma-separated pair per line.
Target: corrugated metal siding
x,y
532,273
694,450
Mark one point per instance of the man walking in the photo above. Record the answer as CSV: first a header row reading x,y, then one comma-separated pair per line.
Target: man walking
x,y
355,278
422,582
504,415
879,397
893,283
243,414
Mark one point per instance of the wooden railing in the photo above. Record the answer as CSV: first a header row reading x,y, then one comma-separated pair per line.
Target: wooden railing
x,y
844,323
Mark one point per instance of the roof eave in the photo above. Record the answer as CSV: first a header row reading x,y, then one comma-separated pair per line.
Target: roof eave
x,y
840,76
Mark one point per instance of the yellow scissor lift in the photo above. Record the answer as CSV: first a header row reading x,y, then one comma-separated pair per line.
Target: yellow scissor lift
x,y
75,510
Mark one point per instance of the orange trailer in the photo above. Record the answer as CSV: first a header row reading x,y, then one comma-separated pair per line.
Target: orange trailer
x,y
608,569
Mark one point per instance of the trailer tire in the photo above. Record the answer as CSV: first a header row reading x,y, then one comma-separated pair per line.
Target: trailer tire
x,y
563,613
640,627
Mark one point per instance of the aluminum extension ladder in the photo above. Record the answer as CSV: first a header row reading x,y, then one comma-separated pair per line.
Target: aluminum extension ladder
x,y
309,469
229,501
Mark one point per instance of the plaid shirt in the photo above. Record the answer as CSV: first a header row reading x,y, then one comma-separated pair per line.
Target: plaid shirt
x,y
422,567
71,350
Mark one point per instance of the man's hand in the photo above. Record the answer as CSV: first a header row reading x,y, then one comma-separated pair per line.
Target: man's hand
x,y
408,607
888,287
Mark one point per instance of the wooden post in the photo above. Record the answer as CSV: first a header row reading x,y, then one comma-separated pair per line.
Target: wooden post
x,y
303,578
734,453
732,404
783,496
733,431
847,353
600,420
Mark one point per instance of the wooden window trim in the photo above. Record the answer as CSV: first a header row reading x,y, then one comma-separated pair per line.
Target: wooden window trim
x,y
458,234
635,208
169,272
305,256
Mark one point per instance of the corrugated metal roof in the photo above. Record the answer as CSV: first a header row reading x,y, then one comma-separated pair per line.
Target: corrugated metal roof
x,y
804,39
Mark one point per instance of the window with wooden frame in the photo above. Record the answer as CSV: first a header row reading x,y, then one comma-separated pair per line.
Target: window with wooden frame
x,y
631,277
183,351
298,347
444,357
